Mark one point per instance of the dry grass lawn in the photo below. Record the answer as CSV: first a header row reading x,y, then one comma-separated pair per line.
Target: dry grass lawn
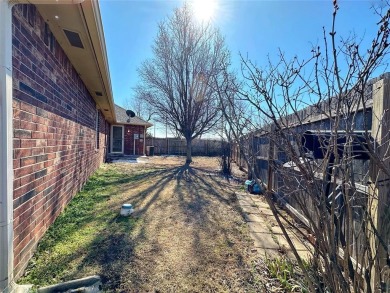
x,y
187,234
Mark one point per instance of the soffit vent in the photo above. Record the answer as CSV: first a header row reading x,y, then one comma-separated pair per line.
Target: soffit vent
x,y
74,39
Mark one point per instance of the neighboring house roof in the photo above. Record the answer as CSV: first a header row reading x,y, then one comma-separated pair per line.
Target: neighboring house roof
x,y
77,26
122,118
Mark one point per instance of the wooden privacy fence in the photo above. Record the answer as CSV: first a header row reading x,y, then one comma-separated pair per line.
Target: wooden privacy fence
x,y
175,146
374,119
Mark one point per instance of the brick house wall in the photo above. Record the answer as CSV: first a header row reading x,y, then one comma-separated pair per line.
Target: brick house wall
x,y
56,145
130,130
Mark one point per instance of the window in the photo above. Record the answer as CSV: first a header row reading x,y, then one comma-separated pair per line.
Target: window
x,y
97,130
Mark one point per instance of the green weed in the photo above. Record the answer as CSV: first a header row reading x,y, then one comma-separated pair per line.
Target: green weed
x,y
286,272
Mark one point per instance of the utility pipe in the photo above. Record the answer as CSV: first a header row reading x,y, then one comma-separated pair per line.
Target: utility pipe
x,y
6,162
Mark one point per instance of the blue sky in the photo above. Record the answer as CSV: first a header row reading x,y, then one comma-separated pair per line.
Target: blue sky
x,y
253,27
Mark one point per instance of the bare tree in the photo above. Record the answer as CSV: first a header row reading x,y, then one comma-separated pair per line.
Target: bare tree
x,y
175,83
323,130
140,107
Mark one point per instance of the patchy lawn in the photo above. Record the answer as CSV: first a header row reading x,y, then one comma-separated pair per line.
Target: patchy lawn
x,y
187,234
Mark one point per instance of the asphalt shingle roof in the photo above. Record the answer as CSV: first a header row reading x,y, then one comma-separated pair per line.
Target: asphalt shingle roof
x,y
122,118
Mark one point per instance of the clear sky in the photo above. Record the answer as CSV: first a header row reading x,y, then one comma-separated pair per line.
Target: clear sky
x,y
253,27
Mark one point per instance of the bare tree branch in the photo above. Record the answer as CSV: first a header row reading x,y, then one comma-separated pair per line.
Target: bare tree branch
x,y
314,132
175,83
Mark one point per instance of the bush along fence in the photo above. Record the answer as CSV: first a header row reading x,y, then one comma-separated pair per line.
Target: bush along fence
x,y
329,165
177,146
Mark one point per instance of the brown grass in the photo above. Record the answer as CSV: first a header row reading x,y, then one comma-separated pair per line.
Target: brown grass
x,y
187,234
192,237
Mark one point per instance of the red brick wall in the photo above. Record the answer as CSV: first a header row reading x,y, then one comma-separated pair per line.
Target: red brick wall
x,y
130,130
55,149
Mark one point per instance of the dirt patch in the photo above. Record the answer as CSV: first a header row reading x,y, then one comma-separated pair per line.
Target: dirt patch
x,y
187,234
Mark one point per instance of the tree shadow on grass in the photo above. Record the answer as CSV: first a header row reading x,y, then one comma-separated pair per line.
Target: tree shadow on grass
x,y
88,210
213,210
125,254
113,249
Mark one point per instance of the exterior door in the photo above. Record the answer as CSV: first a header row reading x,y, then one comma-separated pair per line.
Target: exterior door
x,y
117,139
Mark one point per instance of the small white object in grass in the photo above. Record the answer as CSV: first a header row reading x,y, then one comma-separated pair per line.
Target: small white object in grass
x,y
127,209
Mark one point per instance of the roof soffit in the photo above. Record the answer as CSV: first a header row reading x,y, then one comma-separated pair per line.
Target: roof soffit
x,y
83,18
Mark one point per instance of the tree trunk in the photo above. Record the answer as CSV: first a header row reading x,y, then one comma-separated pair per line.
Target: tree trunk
x,y
189,151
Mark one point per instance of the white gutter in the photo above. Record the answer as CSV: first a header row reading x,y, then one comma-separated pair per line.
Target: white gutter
x,y
94,23
6,163
49,1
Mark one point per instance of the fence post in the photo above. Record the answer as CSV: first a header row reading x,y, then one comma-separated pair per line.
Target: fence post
x,y
271,158
378,202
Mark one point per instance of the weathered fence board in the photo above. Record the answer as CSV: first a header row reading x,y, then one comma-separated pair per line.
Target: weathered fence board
x,y
374,119
176,146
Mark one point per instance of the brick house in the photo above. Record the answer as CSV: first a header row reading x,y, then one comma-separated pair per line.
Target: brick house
x,y
128,134
56,112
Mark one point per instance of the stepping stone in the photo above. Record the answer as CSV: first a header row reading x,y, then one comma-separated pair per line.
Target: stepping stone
x,y
304,254
266,212
245,201
250,210
254,218
276,230
264,241
257,213
269,253
257,199
258,227
261,204
243,196
297,243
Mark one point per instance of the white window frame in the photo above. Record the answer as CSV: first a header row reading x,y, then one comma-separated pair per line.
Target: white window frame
x,y
112,139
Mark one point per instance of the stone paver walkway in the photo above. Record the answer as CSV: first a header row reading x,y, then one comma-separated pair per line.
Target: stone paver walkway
x,y
267,235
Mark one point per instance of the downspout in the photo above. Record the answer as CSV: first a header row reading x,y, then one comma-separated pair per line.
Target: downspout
x,y
6,163
144,140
